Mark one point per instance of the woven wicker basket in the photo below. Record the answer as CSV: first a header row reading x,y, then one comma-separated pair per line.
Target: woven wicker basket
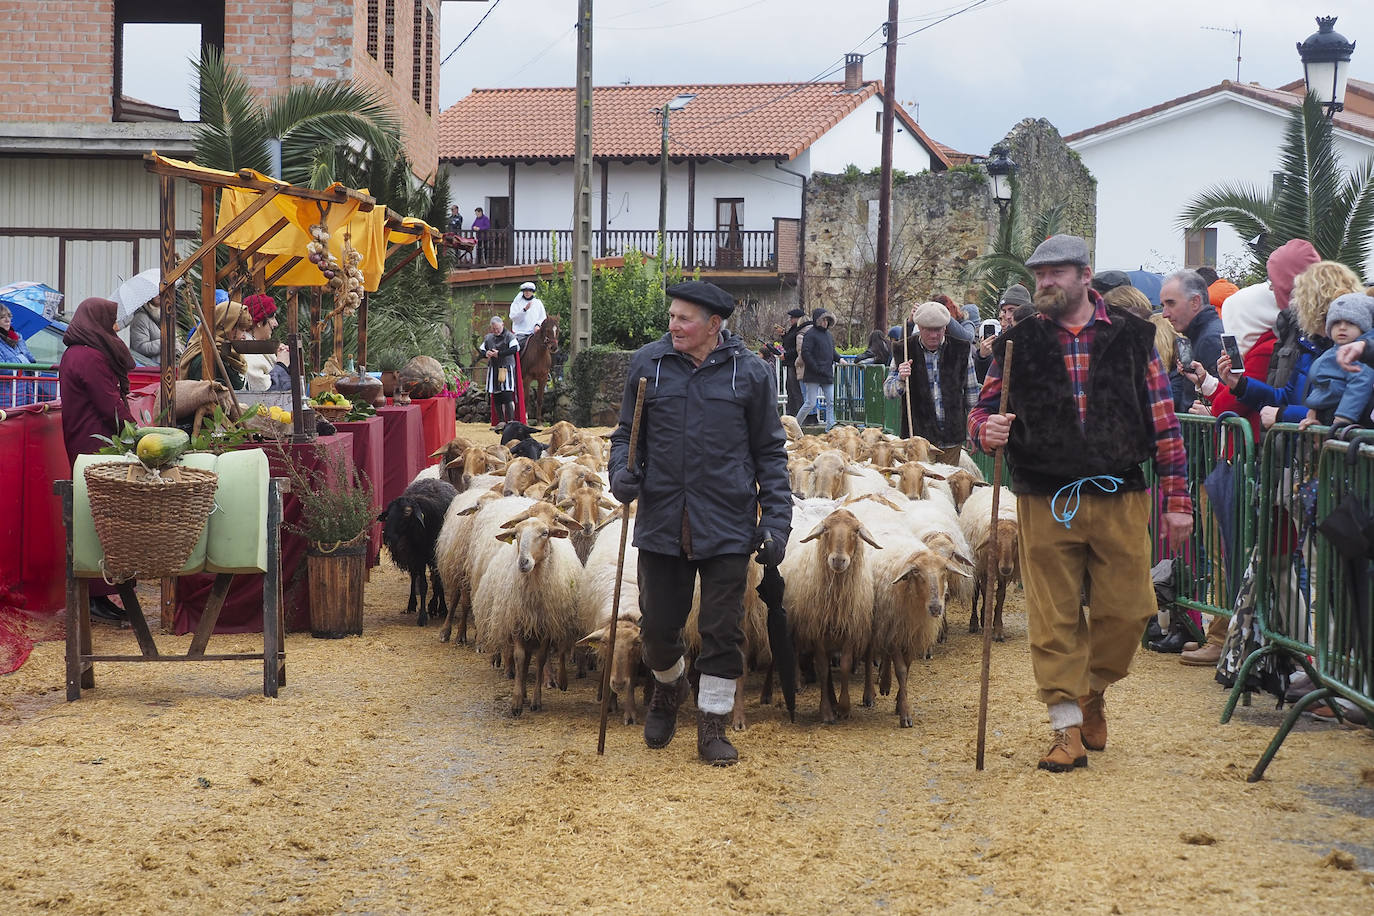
x,y
148,525
332,412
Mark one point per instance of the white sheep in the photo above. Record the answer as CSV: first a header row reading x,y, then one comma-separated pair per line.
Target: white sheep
x,y
829,597
452,548
997,546
529,593
595,597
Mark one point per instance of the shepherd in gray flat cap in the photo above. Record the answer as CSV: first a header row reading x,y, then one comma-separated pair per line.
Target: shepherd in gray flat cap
x,y
710,474
1060,249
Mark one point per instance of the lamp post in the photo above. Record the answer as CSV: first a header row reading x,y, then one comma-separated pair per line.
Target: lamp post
x,y
1325,64
1000,169
678,103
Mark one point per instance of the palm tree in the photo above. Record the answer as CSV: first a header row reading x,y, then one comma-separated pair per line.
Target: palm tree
x,y
1314,199
1005,263
322,126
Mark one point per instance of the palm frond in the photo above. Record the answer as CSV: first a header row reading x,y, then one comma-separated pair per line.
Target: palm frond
x,y
1356,202
308,117
232,133
1311,180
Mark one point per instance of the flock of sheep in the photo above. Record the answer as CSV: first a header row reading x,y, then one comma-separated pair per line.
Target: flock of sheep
x,y
520,541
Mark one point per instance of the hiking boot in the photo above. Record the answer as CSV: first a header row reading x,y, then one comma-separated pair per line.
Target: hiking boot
x,y
712,744
1094,727
1203,657
1066,753
660,723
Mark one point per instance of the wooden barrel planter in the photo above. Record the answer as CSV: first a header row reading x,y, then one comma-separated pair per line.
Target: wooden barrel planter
x,y
336,575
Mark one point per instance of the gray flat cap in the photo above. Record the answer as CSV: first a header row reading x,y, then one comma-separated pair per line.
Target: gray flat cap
x,y
1060,249
1016,294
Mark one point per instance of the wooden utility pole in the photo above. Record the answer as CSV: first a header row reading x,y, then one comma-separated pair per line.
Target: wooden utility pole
x,y
884,253
582,186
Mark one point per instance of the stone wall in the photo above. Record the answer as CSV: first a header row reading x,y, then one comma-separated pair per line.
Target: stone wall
x,y
596,384
940,222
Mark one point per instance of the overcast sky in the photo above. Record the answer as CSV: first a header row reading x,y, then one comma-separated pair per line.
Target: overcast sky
x,y
968,80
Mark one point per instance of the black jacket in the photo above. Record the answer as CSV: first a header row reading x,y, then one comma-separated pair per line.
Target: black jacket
x,y
789,341
819,354
710,440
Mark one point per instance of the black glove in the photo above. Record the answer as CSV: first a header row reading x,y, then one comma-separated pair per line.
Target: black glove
x,y
772,548
625,485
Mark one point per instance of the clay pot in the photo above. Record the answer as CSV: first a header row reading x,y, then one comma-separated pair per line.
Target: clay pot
x,y
389,382
362,387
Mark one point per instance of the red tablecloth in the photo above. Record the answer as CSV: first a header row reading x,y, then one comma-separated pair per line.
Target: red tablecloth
x,y
405,455
33,455
438,416
368,458
242,611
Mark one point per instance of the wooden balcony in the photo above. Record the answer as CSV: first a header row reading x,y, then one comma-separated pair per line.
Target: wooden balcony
x,y
737,251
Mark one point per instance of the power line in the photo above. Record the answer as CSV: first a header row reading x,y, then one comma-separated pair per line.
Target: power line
x,y
646,28
531,62
491,9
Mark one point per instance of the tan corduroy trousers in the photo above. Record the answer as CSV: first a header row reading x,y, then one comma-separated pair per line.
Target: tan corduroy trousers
x,y
1108,547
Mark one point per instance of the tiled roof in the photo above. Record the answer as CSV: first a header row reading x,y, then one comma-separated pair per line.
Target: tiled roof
x,y
954,156
1351,121
728,120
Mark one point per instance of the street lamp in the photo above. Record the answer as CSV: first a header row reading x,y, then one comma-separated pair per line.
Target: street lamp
x,y
1325,62
1000,169
678,103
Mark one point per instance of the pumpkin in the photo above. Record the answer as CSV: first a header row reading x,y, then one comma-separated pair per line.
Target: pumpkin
x,y
422,377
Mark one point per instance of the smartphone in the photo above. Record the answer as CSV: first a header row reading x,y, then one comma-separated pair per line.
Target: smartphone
x,y
1183,349
991,328
1228,343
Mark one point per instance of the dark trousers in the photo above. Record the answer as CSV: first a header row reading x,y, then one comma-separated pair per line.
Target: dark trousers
x,y
794,390
665,599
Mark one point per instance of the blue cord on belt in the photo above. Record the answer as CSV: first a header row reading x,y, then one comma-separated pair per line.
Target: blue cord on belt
x,y
1104,482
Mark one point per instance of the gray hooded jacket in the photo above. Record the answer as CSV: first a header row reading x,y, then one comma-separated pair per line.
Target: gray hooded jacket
x,y
710,441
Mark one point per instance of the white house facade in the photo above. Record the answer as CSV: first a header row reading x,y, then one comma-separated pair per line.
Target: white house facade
x,y
1151,163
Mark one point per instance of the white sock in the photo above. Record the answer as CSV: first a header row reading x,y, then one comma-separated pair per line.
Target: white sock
x,y
669,675
716,695
1065,715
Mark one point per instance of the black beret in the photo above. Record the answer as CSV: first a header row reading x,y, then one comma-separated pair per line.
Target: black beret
x,y
1108,280
795,313
707,295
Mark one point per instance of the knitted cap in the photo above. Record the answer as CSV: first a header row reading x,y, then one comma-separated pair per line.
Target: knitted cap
x,y
1016,294
260,306
1356,308
932,315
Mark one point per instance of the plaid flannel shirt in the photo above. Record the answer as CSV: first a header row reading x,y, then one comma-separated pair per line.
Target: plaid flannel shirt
x,y
1169,458
932,358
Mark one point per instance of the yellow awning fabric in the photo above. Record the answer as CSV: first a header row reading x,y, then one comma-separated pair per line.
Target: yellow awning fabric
x,y
219,173
290,241
412,227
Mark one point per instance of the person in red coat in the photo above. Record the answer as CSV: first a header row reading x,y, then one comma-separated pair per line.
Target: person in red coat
x,y
94,380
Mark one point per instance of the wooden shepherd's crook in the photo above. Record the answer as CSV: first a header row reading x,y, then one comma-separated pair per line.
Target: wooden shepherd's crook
x,y
619,572
906,358
992,571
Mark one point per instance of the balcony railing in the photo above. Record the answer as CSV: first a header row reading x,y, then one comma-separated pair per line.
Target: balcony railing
x,y
706,249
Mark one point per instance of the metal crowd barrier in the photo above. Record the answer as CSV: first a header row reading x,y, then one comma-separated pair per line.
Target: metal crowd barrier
x,y
27,383
1337,619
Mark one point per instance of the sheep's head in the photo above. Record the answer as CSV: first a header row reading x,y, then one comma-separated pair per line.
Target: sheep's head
x,y
910,478
791,427
884,454
841,533
585,505
1004,546
531,536
560,434
628,645
872,435
957,563
521,474
917,448
931,575
961,484
828,472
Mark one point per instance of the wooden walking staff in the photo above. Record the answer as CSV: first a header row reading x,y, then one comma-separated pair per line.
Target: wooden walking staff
x,y
619,572
906,358
992,569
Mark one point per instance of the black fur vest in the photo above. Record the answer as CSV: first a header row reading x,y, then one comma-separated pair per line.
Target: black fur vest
x,y
1049,447
953,368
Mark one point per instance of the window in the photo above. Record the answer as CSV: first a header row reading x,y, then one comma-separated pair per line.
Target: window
x,y
372,28
416,50
389,47
1200,248
877,122
429,61
154,44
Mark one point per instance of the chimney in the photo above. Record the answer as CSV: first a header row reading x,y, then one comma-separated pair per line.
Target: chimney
x,y
853,72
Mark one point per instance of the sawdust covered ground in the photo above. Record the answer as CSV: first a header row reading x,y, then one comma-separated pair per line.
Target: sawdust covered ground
x,y
390,777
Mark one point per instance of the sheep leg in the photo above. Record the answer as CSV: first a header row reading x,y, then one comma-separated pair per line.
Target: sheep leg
x,y
997,634
823,681
766,695
510,659
419,586
869,696
973,624
522,662
885,676
944,632
410,602
541,657
846,663
903,698
563,668
439,606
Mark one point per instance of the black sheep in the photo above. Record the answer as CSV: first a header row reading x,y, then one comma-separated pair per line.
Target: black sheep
x,y
516,430
528,448
410,529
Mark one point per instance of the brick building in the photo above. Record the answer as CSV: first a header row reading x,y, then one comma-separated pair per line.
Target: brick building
x,y
77,210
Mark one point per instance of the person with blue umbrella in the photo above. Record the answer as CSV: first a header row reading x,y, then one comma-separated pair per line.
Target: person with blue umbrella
x,y
12,346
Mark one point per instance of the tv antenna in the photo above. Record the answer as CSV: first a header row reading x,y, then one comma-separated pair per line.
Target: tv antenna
x,y
1236,31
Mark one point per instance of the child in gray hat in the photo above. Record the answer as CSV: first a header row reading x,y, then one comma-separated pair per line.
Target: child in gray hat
x,y
1335,396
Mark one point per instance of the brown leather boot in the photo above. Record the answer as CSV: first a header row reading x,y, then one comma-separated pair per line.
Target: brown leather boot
x,y
713,746
660,723
1067,752
1094,728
